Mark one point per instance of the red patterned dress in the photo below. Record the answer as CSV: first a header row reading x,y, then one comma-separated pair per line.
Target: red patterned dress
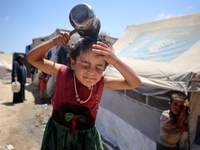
x,y
72,125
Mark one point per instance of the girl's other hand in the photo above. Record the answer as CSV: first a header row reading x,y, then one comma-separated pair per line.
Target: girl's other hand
x,y
105,52
62,39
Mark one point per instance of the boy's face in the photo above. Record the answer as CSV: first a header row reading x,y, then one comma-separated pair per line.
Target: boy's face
x,y
42,75
176,106
88,69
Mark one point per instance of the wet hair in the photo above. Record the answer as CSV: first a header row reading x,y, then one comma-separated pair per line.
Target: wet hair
x,y
82,46
179,95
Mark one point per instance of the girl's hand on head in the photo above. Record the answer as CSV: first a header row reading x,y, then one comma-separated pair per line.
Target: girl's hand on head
x,y
62,39
104,52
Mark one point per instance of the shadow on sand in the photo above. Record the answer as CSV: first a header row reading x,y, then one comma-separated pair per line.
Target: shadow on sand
x,y
8,104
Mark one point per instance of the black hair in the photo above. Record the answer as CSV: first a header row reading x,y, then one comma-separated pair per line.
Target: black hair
x,y
19,56
81,46
179,95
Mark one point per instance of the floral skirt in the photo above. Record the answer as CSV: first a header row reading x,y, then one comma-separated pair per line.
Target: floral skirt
x,y
57,137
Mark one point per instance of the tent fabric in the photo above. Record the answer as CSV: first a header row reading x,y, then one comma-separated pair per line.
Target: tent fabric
x,y
166,52
6,61
132,112
165,55
5,65
116,129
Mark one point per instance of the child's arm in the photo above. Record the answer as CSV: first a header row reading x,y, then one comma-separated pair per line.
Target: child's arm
x,y
35,56
180,121
130,80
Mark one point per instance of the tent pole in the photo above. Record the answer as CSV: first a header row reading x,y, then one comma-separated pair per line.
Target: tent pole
x,y
188,111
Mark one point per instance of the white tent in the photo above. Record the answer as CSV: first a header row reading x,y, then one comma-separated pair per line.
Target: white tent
x,y
5,66
166,56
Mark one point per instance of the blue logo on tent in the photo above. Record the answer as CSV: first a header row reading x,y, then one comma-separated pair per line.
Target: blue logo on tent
x,y
162,45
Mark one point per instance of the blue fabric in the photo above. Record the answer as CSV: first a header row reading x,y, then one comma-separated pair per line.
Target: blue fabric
x,y
162,45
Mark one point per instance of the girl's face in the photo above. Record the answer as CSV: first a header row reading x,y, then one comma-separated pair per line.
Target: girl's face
x,y
88,68
176,106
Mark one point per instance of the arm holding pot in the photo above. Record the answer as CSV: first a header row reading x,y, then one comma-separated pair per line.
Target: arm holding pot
x,y
35,56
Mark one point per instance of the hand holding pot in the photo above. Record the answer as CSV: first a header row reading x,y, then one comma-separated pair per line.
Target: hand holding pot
x,y
62,39
84,21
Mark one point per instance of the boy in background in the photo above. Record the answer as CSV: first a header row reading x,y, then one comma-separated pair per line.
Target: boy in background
x,y
173,122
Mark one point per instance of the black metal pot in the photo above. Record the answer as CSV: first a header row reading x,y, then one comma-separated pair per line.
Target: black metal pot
x,y
84,21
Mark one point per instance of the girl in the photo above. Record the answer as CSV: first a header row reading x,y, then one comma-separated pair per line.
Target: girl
x,y
78,91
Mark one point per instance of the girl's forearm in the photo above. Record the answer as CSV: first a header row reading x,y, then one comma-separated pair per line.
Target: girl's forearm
x,y
131,78
39,51
35,56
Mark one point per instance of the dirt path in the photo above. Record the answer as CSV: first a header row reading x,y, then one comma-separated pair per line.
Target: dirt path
x,y
22,125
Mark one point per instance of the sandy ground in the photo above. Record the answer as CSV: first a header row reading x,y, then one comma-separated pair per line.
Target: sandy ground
x,y
22,125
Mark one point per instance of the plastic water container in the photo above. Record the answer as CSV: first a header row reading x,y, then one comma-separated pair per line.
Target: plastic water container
x,y
16,87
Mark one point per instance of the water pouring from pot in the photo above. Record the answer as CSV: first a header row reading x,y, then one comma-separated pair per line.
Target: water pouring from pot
x,y
84,21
